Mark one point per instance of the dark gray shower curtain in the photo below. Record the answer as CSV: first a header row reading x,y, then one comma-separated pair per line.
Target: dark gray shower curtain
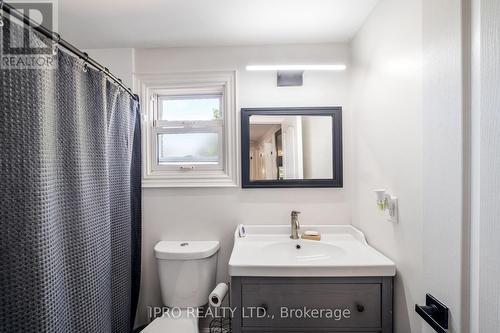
x,y
70,200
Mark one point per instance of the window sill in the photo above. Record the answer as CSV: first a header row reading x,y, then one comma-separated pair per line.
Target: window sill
x,y
188,182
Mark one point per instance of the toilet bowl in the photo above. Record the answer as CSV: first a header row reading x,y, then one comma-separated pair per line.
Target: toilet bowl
x,y
187,272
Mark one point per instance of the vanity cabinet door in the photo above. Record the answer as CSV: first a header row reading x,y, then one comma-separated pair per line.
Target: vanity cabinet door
x,y
341,305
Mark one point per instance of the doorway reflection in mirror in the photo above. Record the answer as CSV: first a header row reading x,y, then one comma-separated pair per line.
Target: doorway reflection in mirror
x,y
290,147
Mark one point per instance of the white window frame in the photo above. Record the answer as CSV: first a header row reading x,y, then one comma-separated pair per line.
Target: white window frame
x,y
154,87
198,126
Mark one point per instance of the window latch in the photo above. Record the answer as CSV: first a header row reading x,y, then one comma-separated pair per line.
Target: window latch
x,y
186,168
188,124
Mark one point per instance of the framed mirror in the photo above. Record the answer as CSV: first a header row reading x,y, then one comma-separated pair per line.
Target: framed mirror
x,y
291,147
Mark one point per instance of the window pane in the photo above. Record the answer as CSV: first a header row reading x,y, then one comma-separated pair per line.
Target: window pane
x,y
188,148
203,108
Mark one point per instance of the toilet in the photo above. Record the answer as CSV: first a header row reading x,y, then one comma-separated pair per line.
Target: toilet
x,y
187,272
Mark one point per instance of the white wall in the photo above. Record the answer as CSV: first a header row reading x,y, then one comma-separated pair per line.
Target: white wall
x,y
205,214
119,61
386,146
485,302
444,163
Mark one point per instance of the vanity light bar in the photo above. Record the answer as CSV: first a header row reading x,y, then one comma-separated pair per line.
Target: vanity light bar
x,y
338,67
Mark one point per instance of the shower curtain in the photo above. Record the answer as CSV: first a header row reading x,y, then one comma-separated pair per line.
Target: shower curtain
x,y
70,199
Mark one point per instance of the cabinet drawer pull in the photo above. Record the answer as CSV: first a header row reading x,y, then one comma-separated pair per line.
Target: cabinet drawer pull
x,y
360,307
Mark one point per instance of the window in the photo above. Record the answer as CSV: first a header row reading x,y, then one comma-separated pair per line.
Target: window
x,y
189,130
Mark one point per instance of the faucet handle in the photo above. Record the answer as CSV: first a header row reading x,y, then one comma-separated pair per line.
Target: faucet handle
x,y
295,212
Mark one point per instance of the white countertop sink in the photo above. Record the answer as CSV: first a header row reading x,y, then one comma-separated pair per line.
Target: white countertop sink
x,y
267,250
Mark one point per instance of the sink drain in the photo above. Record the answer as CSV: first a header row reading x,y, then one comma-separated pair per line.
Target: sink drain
x,y
298,247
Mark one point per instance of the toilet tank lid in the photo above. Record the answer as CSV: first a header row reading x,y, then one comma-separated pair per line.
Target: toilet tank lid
x,y
185,250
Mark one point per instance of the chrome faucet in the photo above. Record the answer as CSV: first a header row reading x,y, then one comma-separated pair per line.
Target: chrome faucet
x,y
295,224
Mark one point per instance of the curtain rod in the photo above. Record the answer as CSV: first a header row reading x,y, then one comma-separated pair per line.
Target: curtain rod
x,y
57,38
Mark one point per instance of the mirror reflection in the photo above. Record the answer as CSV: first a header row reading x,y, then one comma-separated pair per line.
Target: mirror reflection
x,y
290,147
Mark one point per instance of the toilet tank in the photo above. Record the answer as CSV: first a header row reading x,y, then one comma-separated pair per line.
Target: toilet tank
x,y
187,271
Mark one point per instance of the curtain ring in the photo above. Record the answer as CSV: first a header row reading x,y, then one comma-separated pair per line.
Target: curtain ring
x,y
85,61
55,45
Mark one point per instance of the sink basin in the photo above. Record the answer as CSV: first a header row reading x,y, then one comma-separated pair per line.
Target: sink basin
x,y
301,251
267,250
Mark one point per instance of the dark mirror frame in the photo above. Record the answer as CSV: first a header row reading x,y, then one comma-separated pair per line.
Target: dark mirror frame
x,y
334,112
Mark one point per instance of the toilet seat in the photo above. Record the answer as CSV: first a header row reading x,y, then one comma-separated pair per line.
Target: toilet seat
x,y
172,325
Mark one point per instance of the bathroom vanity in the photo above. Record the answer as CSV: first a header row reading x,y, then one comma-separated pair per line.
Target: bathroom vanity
x,y
337,284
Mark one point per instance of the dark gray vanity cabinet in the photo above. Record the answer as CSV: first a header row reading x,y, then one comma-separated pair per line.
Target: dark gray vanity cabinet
x,y
267,304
